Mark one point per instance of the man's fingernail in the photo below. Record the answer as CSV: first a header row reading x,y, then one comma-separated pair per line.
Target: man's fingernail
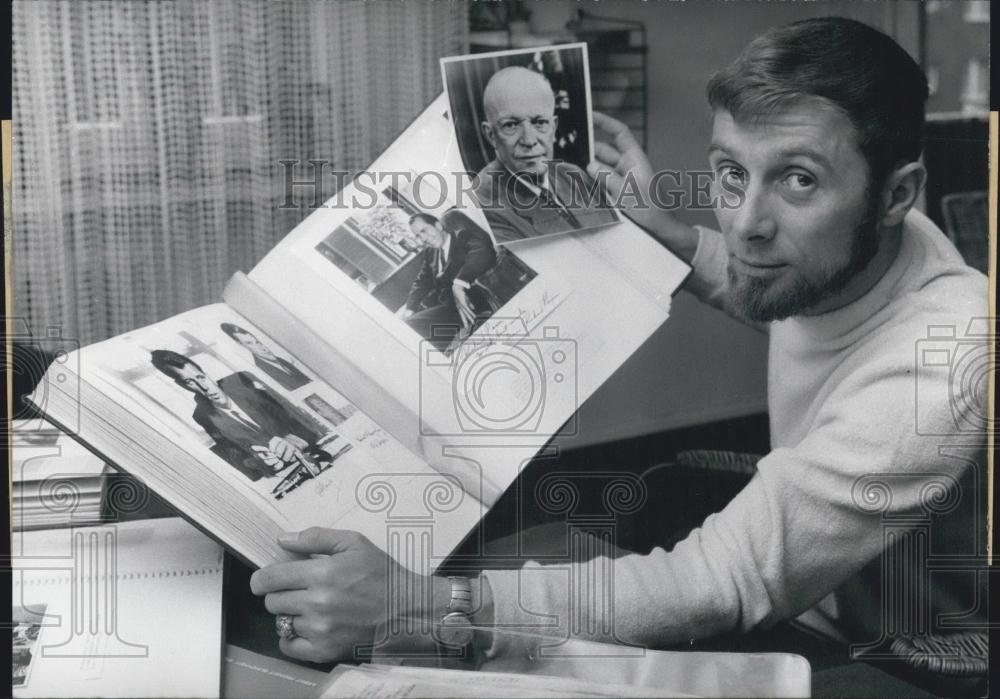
x,y
288,537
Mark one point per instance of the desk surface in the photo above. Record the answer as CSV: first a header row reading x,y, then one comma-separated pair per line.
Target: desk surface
x,y
834,674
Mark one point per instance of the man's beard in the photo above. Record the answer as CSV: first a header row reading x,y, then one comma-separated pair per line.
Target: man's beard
x,y
765,300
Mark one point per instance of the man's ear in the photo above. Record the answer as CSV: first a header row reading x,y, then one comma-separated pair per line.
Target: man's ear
x,y
488,133
900,192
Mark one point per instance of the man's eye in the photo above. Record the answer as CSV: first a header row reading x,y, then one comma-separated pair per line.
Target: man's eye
x,y
732,174
509,127
541,123
799,182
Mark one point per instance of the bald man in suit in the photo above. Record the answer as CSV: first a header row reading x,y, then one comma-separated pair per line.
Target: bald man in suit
x,y
523,191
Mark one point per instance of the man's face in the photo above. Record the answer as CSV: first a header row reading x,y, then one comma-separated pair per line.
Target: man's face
x,y
193,379
806,225
254,345
522,128
430,235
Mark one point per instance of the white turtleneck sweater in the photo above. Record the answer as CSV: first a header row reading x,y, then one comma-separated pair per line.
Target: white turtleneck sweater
x,y
873,436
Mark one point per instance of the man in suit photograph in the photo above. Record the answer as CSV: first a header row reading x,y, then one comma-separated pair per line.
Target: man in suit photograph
x,y
523,191
255,430
443,304
279,369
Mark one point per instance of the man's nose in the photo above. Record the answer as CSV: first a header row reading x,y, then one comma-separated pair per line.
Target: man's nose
x,y
528,133
752,219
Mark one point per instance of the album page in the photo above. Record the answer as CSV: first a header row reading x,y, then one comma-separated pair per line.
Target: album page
x,y
244,439
552,317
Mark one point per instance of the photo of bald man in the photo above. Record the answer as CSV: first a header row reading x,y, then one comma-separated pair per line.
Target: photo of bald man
x,y
527,136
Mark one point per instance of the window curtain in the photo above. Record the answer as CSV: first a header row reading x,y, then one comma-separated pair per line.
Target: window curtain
x,y
148,138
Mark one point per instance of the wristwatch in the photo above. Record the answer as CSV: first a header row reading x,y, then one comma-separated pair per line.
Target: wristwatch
x,y
455,628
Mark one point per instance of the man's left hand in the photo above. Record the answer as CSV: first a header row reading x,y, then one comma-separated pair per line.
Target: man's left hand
x,y
337,598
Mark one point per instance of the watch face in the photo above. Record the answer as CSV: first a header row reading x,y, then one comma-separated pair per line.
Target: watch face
x,y
455,630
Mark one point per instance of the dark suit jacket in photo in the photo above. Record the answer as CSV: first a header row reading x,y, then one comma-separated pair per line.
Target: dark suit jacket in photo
x,y
235,439
471,253
515,212
286,373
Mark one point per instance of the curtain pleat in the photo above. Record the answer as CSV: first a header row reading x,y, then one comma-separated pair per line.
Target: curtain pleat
x,y
148,138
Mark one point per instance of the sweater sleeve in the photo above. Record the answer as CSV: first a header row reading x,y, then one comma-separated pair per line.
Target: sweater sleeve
x,y
810,518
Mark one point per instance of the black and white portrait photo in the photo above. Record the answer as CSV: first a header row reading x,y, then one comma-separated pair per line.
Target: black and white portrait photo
x,y
534,347
253,429
282,370
437,270
524,128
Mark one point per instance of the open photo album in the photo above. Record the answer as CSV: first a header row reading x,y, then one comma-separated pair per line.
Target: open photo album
x,y
389,367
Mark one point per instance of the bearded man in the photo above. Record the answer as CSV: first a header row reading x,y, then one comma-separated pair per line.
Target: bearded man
x,y
817,130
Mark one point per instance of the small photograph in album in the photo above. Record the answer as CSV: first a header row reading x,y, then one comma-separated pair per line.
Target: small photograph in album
x,y
524,127
224,385
267,359
426,261
24,651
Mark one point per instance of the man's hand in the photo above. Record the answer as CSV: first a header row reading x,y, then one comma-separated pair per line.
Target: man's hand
x,y
284,449
268,457
337,598
622,158
296,441
404,313
464,306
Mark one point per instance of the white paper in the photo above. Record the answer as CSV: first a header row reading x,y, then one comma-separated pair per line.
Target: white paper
x,y
130,610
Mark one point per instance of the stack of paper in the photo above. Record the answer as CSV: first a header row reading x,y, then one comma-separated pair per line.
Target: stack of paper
x,y
55,481
123,610
398,681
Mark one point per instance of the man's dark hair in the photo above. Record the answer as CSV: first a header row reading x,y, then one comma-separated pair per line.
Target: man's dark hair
x,y
859,69
426,218
233,330
169,362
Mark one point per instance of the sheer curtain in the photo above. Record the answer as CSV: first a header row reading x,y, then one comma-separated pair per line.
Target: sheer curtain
x,y
148,138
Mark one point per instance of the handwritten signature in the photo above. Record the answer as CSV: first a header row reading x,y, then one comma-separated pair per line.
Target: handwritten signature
x,y
376,436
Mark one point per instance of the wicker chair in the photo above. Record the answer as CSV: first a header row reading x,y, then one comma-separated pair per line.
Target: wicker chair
x,y
966,223
955,664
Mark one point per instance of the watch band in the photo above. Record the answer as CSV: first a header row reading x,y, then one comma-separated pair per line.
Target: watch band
x,y
461,595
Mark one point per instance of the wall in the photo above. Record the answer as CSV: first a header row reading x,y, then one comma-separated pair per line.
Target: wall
x,y
700,366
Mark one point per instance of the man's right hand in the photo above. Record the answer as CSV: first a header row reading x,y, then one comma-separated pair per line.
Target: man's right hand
x,y
283,449
621,156
268,457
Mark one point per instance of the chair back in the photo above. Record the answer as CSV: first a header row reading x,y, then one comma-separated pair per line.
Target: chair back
x,y
966,223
